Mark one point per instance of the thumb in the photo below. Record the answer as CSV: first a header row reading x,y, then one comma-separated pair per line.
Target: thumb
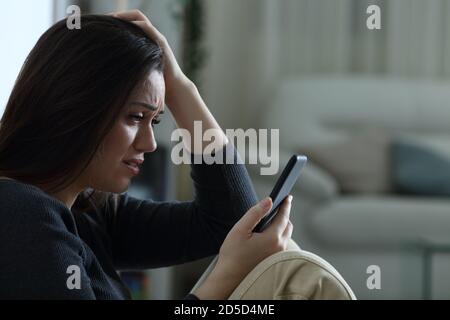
x,y
254,215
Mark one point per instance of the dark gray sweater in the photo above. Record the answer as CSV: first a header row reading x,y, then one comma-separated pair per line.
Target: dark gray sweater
x,y
40,238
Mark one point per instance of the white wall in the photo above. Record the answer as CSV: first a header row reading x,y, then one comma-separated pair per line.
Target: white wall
x,y
22,22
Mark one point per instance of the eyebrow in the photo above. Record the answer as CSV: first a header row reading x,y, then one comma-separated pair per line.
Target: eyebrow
x,y
146,105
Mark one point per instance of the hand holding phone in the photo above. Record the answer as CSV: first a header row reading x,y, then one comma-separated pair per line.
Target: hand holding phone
x,y
282,188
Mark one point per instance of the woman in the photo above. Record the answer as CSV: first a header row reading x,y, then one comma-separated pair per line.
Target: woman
x,y
75,130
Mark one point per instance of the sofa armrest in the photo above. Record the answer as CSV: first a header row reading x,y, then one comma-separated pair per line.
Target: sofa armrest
x,y
317,184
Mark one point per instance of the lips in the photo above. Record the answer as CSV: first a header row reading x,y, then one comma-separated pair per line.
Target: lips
x,y
135,161
133,165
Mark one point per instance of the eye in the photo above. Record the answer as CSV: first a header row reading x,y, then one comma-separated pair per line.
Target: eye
x,y
155,121
138,117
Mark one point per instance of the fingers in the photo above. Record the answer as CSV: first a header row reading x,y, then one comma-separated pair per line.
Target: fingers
x,y
287,233
132,15
151,32
281,220
138,18
254,215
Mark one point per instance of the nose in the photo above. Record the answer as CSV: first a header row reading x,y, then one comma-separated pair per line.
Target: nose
x,y
145,140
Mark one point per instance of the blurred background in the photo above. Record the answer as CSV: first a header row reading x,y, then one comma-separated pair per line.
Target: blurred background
x,y
370,108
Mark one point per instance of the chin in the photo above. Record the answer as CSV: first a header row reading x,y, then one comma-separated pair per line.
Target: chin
x,y
121,187
116,186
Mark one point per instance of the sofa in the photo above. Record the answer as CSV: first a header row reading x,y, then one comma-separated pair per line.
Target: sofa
x,y
346,208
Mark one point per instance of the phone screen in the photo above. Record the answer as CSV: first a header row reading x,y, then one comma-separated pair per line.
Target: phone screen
x,y
282,188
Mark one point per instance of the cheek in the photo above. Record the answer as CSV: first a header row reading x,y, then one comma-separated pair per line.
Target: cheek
x,y
118,141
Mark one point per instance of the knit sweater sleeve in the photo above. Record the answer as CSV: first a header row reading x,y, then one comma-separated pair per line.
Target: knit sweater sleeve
x,y
149,234
43,250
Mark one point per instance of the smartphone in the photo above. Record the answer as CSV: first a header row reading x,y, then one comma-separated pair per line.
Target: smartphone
x,y
282,188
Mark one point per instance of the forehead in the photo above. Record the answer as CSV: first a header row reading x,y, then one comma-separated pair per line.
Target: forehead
x,y
151,90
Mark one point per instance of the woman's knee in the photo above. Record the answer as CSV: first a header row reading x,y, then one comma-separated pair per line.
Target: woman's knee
x,y
293,275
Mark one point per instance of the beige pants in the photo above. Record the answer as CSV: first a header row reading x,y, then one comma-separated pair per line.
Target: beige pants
x,y
293,274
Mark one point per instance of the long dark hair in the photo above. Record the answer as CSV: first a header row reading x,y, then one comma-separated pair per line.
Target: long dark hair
x,y
68,95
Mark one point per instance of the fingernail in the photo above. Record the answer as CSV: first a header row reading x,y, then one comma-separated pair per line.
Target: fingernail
x,y
290,198
265,204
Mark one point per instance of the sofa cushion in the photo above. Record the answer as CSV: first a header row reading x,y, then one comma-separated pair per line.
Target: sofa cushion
x,y
360,164
359,221
419,170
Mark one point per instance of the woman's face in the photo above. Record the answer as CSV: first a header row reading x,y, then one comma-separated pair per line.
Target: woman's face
x,y
129,139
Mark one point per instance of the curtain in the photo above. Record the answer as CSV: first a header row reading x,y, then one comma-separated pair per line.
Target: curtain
x,y
254,44
330,36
